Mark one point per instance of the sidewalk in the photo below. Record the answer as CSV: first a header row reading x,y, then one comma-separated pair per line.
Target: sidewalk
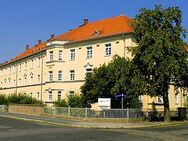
x,y
87,124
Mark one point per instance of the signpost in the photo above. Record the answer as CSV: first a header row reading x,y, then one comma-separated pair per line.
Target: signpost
x,y
122,96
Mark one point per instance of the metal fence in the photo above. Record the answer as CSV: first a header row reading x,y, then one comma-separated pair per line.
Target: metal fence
x,y
3,108
89,113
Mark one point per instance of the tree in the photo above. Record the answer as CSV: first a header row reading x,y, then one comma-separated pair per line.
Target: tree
x,y
160,56
108,80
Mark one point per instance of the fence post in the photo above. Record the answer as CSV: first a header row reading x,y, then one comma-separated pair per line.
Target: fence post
x,y
128,113
54,111
86,112
68,111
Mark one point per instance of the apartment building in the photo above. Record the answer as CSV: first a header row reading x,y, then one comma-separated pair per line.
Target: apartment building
x,y
53,69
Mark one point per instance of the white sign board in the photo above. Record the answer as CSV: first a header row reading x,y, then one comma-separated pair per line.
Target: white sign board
x,y
104,103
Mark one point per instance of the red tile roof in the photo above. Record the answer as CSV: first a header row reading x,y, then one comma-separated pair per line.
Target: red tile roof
x,y
97,29
105,27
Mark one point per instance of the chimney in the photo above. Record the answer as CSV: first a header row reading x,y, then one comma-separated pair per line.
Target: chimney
x,y
26,47
39,42
52,36
85,21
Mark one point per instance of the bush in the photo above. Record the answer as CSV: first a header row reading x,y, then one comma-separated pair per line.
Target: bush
x,y
61,103
3,100
19,99
75,101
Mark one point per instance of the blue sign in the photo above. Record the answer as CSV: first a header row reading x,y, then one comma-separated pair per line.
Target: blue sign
x,y
120,95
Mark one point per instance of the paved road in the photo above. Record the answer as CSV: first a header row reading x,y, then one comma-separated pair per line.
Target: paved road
x,y
19,130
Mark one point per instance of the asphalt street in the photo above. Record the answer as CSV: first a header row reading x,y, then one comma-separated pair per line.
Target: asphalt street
x,y
20,130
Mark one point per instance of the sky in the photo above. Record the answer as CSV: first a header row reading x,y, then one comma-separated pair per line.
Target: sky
x,y
27,21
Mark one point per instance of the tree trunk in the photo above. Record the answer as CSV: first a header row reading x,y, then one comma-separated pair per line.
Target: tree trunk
x,y
166,107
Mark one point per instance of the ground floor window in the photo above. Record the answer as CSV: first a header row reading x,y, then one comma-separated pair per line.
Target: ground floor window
x,y
50,96
59,95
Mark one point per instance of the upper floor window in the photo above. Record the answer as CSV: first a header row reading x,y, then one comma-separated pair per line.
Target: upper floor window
x,y
108,49
72,54
59,75
31,64
25,65
31,78
89,52
50,75
60,55
38,78
72,74
71,92
51,55
38,61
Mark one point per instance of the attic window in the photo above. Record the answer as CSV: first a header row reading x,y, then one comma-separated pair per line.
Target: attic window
x,y
96,33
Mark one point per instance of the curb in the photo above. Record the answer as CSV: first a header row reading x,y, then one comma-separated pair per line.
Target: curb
x,y
159,125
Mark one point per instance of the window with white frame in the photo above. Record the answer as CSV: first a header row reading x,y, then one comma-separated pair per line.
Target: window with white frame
x,y
31,64
38,95
72,54
72,75
176,98
38,78
25,79
59,95
140,98
25,65
89,52
71,92
31,95
51,55
49,96
50,75
31,78
108,49
60,55
59,75
89,70
38,61
159,99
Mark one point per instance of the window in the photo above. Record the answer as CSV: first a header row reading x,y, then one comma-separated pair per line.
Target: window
x,y
176,98
38,95
59,75
108,49
59,95
72,75
71,92
20,67
31,64
159,99
31,95
25,65
50,75
25,79
51,56
89,70
31,78
89,52
38,61
72,54
60,54
38,78
50,96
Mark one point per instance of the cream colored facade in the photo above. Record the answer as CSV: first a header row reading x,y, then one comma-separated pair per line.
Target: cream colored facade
x,y
60,69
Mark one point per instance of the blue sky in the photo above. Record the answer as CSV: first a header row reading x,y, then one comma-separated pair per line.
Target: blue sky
x,y
26,21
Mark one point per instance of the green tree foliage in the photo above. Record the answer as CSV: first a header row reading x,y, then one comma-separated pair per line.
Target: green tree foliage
x,y
160,56
61,103
18,99
75,101
107,80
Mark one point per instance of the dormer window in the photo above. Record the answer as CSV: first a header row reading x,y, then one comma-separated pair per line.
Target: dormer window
x,y
96,33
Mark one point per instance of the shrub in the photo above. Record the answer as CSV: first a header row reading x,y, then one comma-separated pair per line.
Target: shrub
x,y
3,100
75,101
61,103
